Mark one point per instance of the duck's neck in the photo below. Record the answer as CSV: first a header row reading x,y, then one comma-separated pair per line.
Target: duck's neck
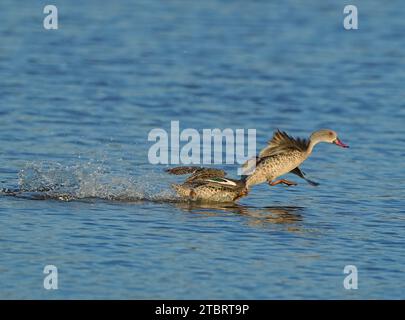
x,y
312,142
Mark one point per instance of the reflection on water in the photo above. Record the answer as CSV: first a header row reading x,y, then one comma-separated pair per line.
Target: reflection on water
x,y
290,216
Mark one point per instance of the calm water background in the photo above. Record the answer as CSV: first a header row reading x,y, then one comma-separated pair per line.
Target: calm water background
x,y
76,106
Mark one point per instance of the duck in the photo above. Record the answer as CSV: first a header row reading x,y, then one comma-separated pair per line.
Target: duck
x,y
208,185
284,154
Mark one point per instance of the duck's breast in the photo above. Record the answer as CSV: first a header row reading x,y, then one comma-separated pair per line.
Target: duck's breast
x,y
275,166
214,193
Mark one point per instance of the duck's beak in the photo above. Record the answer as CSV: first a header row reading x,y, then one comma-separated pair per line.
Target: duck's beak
x,y
340,143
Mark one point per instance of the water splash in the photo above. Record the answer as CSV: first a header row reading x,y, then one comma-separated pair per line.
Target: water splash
x,y
91,180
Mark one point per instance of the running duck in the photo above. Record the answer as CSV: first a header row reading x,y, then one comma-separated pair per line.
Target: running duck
x,y
284,154
206,184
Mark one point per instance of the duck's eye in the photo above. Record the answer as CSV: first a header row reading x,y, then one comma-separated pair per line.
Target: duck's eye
x,y
330,133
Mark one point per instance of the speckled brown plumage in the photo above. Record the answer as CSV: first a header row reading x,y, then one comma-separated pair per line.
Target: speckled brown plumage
x,y
271,167
284,154
206,184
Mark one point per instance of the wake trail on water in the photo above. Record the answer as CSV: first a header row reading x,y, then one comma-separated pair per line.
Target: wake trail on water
x,y
44,180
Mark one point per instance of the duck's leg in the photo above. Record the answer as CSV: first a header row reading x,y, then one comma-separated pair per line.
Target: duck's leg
x,y
301,174
284,181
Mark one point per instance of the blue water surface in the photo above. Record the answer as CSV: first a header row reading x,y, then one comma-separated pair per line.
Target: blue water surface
x,y
76,107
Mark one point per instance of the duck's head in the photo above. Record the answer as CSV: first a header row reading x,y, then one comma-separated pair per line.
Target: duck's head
x,y
327,135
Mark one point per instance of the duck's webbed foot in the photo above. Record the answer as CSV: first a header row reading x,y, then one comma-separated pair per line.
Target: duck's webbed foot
x,y
283,181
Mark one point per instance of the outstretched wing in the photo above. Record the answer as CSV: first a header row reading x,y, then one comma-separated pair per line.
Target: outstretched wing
x,y
197,173
222,181
183,170
281,143
301,174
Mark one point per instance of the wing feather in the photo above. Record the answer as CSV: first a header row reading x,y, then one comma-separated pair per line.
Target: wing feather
x,y
281,142
197,173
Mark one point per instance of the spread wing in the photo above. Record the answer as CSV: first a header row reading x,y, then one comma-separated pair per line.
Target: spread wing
x,y
183,170
281,143
221,182
197,173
